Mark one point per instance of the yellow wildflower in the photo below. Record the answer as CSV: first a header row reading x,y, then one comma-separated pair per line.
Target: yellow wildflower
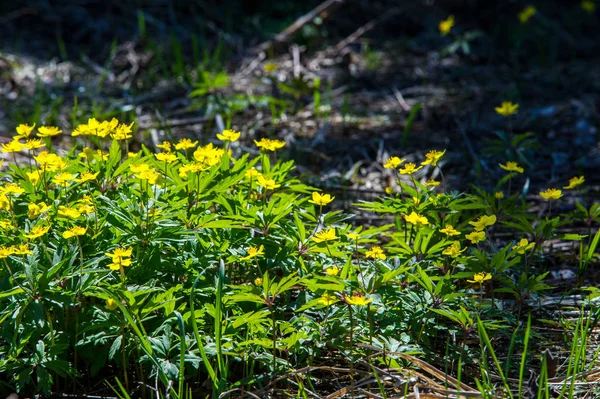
x,y
476,236
446,25
12,189
24,131
5,252
268,184
48,131
551,194
36,232
507,108
325,235
432,157
167,157
328,299
111,304
253,252
35,210
450,231
209,154
415,218
523,246
13,146
34,144
453,250
432,183
409,169
185,144
483,222
393,163
526,14
499,195
6,225
359,299
332,271
250,173
480,278
574,182
512,167
269,145
87,176
165,146
63,179
376,253
353,236
270,67
22,249
320,199
74,232
122,132
150,175
228,135
120,257
258,281
68,212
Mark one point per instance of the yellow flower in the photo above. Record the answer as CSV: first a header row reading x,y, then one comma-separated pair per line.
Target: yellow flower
x,y
359,299
13,146
111,304
24,131
393,163
228,135
483,222
185,144
446,25
268,184
50,162
149,175
409,169
476,236
67,212
270,67
165,146
4,202
22,249
432,157
269,145
132,154
588,6
376,253
63,179
87,176
389,190
453,250
328,299
332,271
574,182
48,131
507,108
209,155
450,231
34,144
480,278
320,199
499,195
432,183
122,132
143,167
120,258
511,167
85,209
551,194
353,236
325,235
5,252
12,189
526,14
250,173
415,218
258,281
253,252
74,232
167,157
523,246
36,232
35,210
6,225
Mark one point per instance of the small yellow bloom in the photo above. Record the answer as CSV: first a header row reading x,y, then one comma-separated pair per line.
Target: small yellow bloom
x,y
450,231
432,183
87,176
48,131
588,6
6,225
5,252
325,235
139,168
269,145
74,232
24,131
376,253
393,163
483,222
320,199
328,299
22,249
433,157
253,252
353,236
270,67
476,236
551,194
480,278
258,281
415,218
526,14
229,135
185,144
36,232
268,184
499,195
507,108
68,212
35,210
359,299
120,258
34,176
389,190
511,167
167,157
574,182
250,173
111,304
12,189
332,271
453,250
523,246
446,25
165,146
63,179
150,175
409,169
13,146
34,144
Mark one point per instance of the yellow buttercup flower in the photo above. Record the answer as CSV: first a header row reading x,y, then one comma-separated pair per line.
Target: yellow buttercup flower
x,y
36,232
13,146
551,194
415,218
409,169
268,184
325,235
376,253
393,163
5,252
253,252
511,167
167,157
446,25
432,183
269,145
321,199
111,304
258,281
120,257
4,202
35,210
480,278
150,175
507,108
185,144
48,131
476,236
12,189
22,249
433,157
526,14
63,179
499,195
358,299
328,299
574,182
483,222
250,173
165,146
122,132
6,225
450,231
229,135
353,236
209,155
24,131
74,232
523,246
34,176
50,162
453,250
68,212
87,176
332,271
34,144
